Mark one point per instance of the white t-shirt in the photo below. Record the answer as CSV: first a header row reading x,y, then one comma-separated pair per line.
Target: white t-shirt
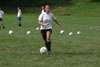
x,y
46,18
1,14
19,13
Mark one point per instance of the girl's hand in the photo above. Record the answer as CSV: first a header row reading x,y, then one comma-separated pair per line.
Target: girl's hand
x,y
61,26
46,24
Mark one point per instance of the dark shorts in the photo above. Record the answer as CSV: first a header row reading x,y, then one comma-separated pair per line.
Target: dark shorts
x,y
19,18
43,33
1,19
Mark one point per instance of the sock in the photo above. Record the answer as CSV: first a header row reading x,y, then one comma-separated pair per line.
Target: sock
x,y
20,25
48,46
3,26
0,26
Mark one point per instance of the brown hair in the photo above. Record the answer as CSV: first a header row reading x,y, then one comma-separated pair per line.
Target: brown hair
x,y
45,7
18,7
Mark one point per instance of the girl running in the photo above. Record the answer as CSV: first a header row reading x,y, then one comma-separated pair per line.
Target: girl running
x,y
45,20
42,9
1,19
19,16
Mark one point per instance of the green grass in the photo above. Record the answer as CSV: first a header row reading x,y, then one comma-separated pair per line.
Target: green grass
x,y
21,50
90,9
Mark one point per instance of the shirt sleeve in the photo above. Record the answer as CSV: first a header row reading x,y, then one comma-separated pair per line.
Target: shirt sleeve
x,y
53,17
40,17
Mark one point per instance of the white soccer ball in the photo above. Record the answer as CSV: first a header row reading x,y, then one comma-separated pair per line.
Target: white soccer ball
x,y
78,32
71,33
43,50
62,31
11,32
28,32
37,28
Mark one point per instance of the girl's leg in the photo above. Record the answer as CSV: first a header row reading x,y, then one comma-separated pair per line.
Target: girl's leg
x,y
43,33
1,25
48,35
19,23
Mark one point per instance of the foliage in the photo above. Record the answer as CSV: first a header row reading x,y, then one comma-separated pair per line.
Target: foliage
x,y
33,3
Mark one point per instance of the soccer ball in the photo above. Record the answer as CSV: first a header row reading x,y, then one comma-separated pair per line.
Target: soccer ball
x,y
11,32
62,31
71,33
78,32
28,32
43,50
37,28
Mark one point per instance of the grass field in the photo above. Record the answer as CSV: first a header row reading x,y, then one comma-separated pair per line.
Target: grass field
x,y
21,50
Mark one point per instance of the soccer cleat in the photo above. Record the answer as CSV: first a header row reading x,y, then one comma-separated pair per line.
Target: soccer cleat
x,y
49,53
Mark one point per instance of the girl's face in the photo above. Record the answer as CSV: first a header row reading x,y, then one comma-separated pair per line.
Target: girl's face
x,y
18,8
47,9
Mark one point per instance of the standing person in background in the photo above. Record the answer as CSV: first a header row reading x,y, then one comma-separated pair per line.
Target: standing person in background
x,y
1,19
19,16
45,20
42,9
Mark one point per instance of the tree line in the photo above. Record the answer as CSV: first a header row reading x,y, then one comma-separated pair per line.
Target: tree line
x,y
37,3
32,3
